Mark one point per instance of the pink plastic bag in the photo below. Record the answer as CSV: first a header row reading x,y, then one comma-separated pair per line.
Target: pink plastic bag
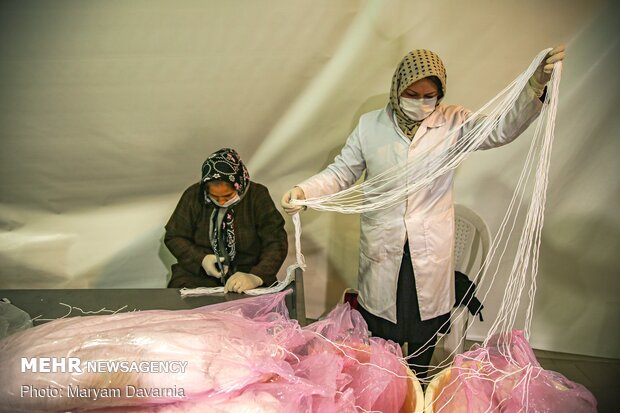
x,y
505,376
221,352
243,355
371,367
336,369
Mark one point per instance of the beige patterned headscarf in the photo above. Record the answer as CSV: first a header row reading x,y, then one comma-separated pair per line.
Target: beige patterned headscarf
x,y
416,65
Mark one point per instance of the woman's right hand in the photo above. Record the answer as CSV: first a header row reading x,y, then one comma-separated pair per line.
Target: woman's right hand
x,y
294,193
210,265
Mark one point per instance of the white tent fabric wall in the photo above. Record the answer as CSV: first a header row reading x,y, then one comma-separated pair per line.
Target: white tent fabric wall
x,y
109,108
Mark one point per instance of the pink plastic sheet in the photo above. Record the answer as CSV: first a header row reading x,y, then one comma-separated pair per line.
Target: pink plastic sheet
x,y
244,355
505,376
371,367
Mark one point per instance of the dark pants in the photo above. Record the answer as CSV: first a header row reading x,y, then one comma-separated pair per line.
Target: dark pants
x,y
419,335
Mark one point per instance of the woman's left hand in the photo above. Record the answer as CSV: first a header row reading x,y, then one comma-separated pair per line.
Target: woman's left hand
x,y
241,281
542,75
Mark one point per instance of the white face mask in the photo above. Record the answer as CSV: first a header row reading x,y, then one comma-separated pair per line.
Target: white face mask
x,y
228,203
418,109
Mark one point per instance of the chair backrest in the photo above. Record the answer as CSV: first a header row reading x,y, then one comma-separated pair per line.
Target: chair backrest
x,y
471,241
471,245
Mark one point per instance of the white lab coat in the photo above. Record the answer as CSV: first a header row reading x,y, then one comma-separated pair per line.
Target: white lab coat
x,y
426,218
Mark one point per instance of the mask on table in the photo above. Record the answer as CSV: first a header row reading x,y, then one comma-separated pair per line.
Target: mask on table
x,y
418,109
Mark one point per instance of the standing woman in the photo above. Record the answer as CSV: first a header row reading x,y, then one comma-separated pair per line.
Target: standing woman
x,y
226,230
406,274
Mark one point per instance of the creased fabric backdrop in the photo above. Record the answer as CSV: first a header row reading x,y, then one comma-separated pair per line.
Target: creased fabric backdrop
x,y
108,108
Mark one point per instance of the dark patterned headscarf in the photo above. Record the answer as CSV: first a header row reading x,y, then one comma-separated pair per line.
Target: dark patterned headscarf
x,y
416,65
224,166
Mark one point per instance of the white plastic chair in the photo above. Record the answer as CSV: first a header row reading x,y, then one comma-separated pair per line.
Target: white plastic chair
x,y
471,245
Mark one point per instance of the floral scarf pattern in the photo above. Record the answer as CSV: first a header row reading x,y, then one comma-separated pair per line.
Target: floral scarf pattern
x,y
224,165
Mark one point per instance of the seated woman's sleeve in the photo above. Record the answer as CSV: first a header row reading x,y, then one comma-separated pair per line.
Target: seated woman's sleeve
x,y
270,231
180,231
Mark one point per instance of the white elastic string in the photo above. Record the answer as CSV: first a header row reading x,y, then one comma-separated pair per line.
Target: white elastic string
x,y
82,312
527,255
529,245
301,261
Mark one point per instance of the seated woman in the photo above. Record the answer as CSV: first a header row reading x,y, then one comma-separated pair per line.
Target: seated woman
x,y
226,230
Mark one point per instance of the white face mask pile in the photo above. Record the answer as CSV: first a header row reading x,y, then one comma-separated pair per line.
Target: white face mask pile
x,y
418,109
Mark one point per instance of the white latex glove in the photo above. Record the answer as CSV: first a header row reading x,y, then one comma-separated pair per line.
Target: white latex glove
x,y
241,281
295,193
542,75
208,263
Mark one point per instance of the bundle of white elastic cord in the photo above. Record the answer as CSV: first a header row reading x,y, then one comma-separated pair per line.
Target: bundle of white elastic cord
x,y
273,288
524,269
395,185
